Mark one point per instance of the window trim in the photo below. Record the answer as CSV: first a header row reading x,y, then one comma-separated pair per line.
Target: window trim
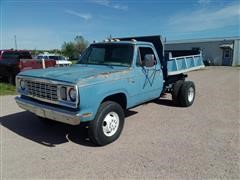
x,y
154,52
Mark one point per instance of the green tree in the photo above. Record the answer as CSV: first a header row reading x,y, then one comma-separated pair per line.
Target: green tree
x,y
80,44
68,49
34,52
74,48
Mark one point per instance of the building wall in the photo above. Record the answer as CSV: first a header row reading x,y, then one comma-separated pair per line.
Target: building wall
x,y
236,53
211,49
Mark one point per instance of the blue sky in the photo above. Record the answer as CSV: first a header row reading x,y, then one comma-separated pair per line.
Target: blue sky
x,y
45,24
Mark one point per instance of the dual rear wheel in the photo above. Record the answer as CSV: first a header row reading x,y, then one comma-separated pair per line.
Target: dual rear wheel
x,y
183,93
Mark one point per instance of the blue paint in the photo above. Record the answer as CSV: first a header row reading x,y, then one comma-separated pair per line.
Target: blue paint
x,y
96,82
184,64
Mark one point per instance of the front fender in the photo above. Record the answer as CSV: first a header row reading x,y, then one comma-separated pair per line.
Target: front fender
x,y
92,96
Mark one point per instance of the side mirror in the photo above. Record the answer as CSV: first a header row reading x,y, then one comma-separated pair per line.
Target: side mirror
x,y
149,60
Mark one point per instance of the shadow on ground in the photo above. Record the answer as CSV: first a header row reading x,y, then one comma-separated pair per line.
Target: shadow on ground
x,y
165,102
48,133
51,133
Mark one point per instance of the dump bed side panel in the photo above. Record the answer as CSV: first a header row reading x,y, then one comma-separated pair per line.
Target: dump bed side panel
x,y
184,64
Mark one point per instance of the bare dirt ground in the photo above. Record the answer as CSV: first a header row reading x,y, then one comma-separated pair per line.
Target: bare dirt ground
x,y
158,141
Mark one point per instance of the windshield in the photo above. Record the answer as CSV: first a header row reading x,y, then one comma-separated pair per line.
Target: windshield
x,y
57,57
61,58
42,57
108,54
39,57
54,57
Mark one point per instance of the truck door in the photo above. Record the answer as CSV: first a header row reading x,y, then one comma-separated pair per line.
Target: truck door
x,y
149,80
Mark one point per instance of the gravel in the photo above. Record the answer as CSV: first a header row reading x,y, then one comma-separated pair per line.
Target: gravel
x,y
159,140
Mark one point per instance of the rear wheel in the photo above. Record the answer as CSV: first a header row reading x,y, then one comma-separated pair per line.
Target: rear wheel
x,y
176,90
108,123
187,94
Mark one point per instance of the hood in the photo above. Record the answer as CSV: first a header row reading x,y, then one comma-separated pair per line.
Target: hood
x,y
75,73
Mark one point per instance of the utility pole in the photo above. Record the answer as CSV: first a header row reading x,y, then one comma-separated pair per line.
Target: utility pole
x,y
109,37
15,39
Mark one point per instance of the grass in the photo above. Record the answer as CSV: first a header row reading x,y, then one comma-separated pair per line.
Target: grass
x,y
7,89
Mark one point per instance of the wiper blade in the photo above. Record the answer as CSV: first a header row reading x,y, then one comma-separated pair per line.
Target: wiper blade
x,y
109,65
87,63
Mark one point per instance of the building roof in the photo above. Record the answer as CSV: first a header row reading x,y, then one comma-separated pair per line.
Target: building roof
x,y
203,40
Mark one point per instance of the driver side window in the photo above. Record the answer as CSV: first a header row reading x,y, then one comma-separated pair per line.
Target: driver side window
x,y
142,51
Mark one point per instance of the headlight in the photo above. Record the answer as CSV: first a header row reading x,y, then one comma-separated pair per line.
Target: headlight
x,y
22,84
72,94
63,93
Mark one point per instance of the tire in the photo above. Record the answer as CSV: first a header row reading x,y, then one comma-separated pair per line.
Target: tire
x,y
176,90
187,94
108,123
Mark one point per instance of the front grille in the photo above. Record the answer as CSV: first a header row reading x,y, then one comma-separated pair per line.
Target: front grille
x,y
42,90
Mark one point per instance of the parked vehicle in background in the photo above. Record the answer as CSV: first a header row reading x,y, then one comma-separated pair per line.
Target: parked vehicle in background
x,y
60,60
10,63
28,64
109,78
14,61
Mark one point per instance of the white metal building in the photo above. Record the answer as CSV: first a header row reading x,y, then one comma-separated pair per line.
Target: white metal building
x,y
220,51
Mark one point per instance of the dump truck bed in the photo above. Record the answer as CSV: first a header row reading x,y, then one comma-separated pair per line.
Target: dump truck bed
x,y
171,66
183,64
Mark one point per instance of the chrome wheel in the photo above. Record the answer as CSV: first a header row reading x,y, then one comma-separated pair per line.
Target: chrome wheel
x,y
190,94
110,124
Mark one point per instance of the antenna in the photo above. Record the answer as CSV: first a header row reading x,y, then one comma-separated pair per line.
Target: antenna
x,y
15,40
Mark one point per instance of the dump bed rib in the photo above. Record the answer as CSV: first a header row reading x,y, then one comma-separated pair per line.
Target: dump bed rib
x,y
184,64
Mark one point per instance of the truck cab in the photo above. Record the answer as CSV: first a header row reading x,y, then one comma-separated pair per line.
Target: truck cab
x,y
143,80
110,77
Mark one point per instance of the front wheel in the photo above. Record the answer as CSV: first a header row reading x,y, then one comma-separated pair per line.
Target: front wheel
x,y
108,123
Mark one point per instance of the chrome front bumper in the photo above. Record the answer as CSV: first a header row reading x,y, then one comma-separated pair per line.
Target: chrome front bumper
x,y
49,112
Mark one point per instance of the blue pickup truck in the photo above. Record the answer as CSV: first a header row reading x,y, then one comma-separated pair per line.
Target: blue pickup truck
x,y
110,78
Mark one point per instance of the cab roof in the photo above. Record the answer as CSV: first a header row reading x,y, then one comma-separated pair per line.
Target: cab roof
x,y
125,42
